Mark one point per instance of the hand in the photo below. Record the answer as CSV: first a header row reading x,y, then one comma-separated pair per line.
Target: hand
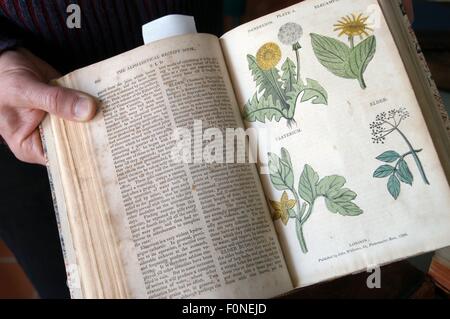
x,y
26,97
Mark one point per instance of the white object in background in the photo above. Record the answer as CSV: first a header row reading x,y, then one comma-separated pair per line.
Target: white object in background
x,y
168,26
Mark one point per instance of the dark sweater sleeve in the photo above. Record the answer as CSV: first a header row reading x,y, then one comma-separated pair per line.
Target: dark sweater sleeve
x,y
8,40
9,36
108,27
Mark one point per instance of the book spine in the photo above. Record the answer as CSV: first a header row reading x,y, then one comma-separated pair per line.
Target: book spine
x,y
426,70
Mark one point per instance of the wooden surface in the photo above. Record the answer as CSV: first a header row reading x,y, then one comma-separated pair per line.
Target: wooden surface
x,y
13,281
398,280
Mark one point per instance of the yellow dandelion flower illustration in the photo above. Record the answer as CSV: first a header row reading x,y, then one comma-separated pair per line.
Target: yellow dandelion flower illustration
x,y
268,56
353,25
281,208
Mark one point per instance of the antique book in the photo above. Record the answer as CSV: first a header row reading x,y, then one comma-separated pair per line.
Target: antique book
x,y
166,194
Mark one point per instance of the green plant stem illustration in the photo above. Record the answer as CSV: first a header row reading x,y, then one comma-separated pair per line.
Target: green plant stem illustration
x,y
300,221
411,151
351,39
348,61
402,157
384,125
278,92
296,47
310,187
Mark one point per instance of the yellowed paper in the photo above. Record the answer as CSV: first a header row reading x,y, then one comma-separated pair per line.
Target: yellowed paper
x,y
181,230
335,138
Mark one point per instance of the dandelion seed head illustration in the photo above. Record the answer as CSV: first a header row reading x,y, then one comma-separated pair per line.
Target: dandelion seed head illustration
x,y
290,33
353,25
268,56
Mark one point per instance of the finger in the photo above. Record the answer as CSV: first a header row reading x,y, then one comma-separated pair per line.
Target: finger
x,y
28,149
65,103
19,127
36,149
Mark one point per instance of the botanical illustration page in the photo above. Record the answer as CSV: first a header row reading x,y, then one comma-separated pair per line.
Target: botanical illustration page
x,y
349,169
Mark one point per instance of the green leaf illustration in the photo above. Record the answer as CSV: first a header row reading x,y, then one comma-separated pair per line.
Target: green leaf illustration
x,y
393,186
384,171
385,124
286,157
330,184
345,208
262,109
403,172
268,81
342,60
307,187
281,174
333,55
342,195
313,90
276,97
360,57
287,174
389,156
289,75
338,200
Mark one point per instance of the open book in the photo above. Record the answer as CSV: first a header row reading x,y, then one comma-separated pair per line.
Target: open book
x,y
352,158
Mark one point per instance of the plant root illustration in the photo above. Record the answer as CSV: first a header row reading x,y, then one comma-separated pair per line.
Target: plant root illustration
x,y
277,95
338,200
398,170
348,61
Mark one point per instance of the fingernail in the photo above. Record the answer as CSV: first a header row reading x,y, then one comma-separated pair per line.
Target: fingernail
x,y
83,108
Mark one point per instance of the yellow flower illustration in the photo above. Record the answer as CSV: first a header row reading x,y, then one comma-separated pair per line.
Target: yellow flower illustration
x,y
281,208
353,25
268,56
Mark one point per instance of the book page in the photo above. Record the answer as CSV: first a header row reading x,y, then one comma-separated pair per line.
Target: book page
x,y
182,229
158,29
168,26
347,163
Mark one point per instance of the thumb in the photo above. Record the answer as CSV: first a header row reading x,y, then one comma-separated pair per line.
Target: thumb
x,y
62,102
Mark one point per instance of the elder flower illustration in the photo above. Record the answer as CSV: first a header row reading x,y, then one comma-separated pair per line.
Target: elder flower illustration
x,y
268,56
281,208
289,34
395,166
352,26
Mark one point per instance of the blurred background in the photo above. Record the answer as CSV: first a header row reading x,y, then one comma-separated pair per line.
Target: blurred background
x,y
420,277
